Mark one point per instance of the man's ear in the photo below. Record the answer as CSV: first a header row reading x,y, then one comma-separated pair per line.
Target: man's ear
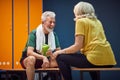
x,y
43,22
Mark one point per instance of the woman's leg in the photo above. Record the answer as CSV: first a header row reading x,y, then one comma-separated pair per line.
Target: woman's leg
x,y
66,61
64,68
76,60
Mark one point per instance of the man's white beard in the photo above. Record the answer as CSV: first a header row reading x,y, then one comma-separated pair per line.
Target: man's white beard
x,y
48,29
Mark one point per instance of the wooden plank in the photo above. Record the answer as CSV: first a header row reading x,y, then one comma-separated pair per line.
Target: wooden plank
x,y
48,69
79,69
40,69
96,69
57,69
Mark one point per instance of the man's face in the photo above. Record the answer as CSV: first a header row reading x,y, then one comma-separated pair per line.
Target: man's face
x,y
49,23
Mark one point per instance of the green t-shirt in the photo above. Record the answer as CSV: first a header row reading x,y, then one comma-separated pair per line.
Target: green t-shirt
x,y
32,42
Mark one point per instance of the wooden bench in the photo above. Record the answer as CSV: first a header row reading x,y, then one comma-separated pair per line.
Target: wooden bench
x,y
22,72
8,71
82,70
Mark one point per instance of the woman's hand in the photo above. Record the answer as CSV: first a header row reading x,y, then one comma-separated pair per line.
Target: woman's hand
x,y
45,62
56,53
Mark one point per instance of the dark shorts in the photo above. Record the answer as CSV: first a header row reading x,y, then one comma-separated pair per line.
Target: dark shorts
x,y
37,64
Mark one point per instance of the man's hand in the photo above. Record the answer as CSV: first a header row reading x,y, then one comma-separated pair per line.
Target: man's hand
x,y
49,53
45,62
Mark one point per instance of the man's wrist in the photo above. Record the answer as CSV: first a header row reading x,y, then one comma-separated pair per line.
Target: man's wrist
x,y
43,57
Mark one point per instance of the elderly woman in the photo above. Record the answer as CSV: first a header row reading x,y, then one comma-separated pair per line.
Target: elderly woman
x,y
91,48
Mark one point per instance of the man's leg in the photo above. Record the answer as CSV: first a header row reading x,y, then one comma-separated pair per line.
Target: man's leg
x,y
29,64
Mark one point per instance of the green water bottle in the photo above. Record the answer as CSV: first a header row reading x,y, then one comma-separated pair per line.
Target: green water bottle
x,y
45,48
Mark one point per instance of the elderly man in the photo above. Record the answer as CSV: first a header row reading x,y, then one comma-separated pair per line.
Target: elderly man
x,y
32,57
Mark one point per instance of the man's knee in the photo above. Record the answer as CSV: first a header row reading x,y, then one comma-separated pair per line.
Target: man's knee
x,y
30,61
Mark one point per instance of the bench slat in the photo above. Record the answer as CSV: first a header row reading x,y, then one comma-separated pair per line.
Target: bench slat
x,y
96,69
57,69
80,69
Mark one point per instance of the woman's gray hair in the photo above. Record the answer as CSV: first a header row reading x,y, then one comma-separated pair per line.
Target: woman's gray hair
x,y
47,14
85,9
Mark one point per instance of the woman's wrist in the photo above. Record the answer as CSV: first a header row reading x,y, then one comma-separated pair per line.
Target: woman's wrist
x,y
64,51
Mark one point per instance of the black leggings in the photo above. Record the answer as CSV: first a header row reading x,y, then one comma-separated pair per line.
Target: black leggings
x,y
76,60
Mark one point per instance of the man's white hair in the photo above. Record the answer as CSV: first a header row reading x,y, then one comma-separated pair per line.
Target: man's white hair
x,y
47,14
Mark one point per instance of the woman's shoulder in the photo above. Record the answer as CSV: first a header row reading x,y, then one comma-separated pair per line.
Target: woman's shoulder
x,y
87,20
82,20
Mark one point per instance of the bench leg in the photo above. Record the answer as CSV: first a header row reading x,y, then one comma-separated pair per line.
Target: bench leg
x,y
81,75
40,76
95,75
24,76
98,74
59,76
7,76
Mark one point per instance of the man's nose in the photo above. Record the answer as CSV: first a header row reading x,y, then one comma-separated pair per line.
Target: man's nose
x,y
52,24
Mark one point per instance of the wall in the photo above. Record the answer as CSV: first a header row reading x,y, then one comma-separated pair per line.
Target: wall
x,y
17,18
107,11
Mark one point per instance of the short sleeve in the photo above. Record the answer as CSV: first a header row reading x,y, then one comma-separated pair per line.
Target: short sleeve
x,y
31,40
79,27
56,40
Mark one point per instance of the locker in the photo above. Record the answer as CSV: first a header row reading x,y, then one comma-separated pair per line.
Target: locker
x,y
27,17
6,34
20,29
35,13
17,18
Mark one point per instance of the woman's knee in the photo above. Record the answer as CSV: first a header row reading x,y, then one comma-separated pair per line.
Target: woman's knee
x,y
59,57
